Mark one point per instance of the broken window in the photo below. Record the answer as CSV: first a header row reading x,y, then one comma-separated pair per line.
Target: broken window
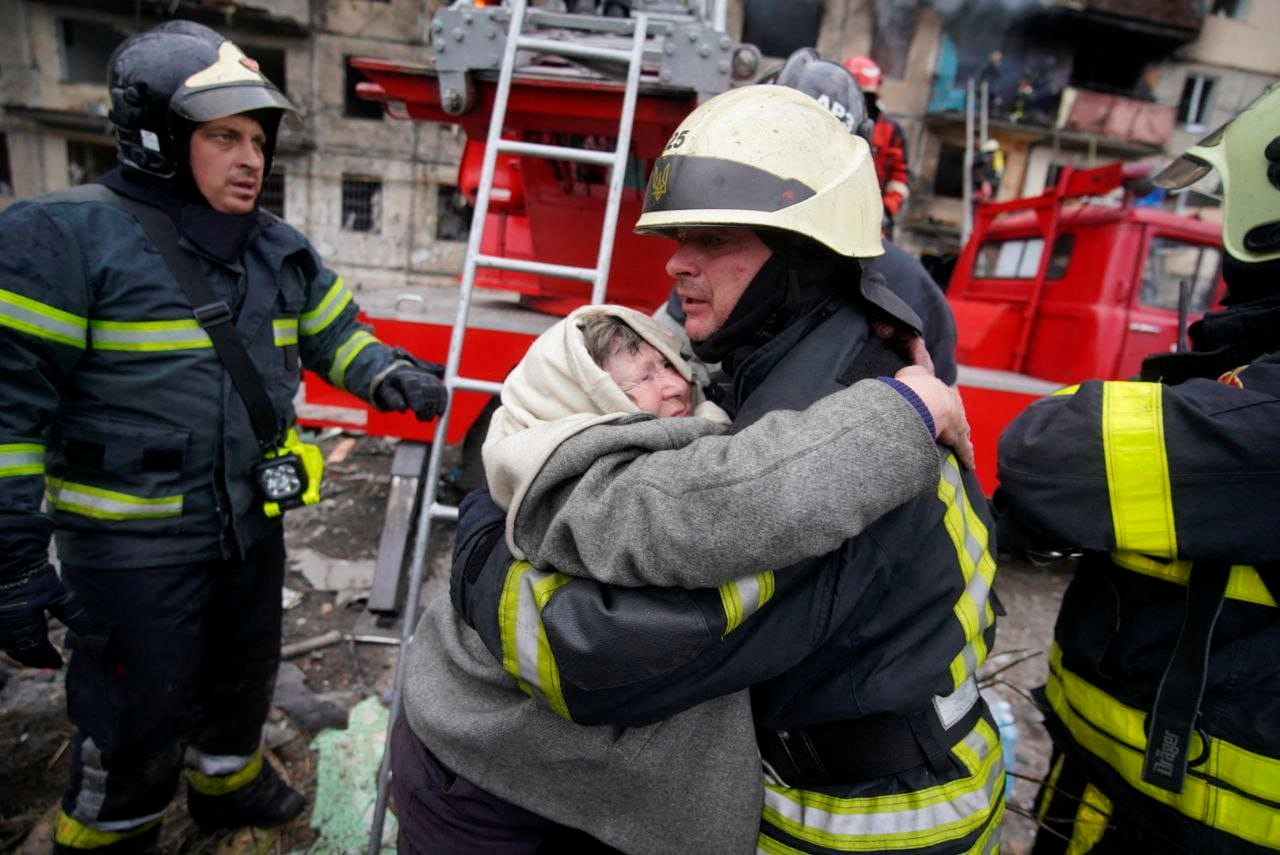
x,y
1193,106
6,177
453,214
86,48
87,161
272,198
353,106
1237,9
361,203
948,180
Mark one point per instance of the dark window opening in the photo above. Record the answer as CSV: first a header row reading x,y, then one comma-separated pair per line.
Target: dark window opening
x,y
361,203
453,214
272,198
87,161
1169,263
353,106
6,176
86,49
271,62
777,29
1229,8
1193,106
949,178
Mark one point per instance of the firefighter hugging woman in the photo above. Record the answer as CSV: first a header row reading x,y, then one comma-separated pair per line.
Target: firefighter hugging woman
x,y
642,609
152,329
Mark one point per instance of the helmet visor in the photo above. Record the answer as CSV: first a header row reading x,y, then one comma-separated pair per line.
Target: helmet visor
x,y
218,102
1190,168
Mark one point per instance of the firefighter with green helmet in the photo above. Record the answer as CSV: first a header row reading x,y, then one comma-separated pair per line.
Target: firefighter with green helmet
x,y
1163,696
153,327
860,659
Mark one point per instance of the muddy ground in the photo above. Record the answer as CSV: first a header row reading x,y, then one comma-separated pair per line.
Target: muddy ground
x,y
34,734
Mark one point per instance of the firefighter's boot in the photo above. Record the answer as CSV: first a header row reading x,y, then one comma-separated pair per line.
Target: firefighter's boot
x,y
72,838
263,802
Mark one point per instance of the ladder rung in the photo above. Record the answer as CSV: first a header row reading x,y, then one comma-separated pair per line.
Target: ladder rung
x,y
557,152
443,512
471,385
570,49
542,268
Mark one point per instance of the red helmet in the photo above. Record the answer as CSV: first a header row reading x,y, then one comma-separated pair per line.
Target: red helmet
x,y
865,71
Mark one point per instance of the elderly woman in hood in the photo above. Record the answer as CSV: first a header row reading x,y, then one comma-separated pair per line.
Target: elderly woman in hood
x,y
483,764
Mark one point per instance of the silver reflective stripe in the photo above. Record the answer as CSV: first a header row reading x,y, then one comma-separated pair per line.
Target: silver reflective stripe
x,y
330,305
21,458
742,598
108,504
900,821
216,765
285,331
526,650
93,793
41,320
148,335
356,342
969,536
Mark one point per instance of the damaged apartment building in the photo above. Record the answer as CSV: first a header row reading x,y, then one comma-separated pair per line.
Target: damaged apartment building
x,y
1066,82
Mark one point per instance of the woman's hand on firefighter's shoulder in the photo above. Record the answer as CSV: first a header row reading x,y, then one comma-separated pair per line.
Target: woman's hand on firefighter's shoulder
x,y
951,427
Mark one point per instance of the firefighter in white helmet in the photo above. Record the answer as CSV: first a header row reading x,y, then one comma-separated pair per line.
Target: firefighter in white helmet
x,y
861,660
153,328
1162,695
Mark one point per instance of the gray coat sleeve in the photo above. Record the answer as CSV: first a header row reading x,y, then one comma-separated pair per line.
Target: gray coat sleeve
x,y
662,502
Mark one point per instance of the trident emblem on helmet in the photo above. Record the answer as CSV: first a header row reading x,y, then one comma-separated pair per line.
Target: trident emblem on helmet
x,y
658,183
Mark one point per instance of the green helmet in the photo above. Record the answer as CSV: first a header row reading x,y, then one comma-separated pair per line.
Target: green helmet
x,y
767,157
1246,153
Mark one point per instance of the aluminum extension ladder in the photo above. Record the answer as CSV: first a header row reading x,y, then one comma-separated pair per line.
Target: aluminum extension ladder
x,y
597,276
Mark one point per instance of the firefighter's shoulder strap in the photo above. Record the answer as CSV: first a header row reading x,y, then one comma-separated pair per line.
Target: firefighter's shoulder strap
x,y
1177,704
214,317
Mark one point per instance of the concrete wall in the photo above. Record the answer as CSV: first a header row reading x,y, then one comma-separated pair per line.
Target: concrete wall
x,y
1247,44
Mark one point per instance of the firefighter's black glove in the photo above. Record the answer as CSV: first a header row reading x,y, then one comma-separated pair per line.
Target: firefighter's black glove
x,y
24,630
413,386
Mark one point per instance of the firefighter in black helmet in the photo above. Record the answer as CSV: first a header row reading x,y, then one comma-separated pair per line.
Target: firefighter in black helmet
x,y
163,461
1163,696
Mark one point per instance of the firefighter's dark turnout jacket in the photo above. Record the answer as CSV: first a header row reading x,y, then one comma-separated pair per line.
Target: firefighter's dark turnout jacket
x,y
115,402
895,621
1162,486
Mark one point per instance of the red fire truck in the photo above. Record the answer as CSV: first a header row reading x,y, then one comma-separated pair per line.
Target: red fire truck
x,y
1075,283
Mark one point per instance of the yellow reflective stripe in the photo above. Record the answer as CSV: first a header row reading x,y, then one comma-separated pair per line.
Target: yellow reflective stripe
x,y
148,335
285,331
327,310
1244,805
350,348
21,458
108,504
1137,469
1243,584
917,819
1091,821
526,651
75,834
1048,788
742,598
972,544
1067,390
220,785
43,321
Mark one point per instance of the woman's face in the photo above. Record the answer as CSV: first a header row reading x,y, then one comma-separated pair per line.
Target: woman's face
x,y
650,381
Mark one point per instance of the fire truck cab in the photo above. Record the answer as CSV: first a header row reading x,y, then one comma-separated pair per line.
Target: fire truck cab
x,y
1078,282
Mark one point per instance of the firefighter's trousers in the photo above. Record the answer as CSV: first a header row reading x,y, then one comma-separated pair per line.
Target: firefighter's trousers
x,y
189,668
